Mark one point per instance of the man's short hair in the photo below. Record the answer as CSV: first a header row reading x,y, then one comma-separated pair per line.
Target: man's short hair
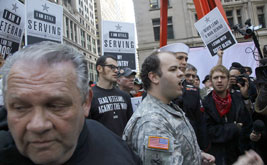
x,y
151,64
102,61
49,53
248,69
219,68
190,67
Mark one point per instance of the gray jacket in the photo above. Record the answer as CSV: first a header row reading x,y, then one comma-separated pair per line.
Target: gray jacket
x,y
161,134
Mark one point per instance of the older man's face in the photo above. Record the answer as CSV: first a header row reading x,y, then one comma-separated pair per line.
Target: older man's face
x,y
45,111
126,83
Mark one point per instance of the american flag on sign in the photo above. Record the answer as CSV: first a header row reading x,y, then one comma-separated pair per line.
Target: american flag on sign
x,y
158,142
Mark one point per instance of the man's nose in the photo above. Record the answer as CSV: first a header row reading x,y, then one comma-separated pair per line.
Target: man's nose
x,y
39,123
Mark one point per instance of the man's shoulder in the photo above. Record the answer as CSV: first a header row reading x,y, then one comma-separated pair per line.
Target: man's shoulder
x,y
102,140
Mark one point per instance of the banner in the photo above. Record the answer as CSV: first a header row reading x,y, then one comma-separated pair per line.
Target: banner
x,y
44,21
240,52
11,26
118,40
214,32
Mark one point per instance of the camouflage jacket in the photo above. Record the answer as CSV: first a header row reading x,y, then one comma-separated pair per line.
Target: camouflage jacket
x,y
161,134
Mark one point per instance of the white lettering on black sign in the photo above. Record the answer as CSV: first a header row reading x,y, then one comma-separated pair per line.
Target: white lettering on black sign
x,y
111,103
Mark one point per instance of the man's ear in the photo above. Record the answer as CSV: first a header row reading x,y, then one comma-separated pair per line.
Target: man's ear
x,y
154,78
118,81
99,68
87,103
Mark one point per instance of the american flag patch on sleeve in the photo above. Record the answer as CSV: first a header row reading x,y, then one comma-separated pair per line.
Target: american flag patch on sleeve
x,y
158,142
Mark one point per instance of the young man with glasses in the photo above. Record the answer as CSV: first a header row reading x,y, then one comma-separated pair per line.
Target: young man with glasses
x,y
110,106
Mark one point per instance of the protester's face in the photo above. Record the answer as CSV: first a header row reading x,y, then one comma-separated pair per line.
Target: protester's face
x,y
248,71
182,60
45,111
197,82
233,74
219,82
208,84
110,70
190,76
126,83
170,81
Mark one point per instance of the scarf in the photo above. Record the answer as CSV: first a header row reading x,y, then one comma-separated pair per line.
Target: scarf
x,y
223,105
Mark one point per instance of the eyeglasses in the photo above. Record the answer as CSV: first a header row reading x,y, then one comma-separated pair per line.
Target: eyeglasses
x,y
112,67
190,75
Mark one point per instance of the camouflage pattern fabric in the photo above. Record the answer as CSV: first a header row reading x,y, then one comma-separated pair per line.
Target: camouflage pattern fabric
x,y
156,119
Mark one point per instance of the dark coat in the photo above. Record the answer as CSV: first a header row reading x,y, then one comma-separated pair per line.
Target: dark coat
x,y
96,145
226,139
191,104
261,146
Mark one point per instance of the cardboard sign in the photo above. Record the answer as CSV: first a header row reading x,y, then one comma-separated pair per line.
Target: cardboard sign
x,y
11,26
214,32
44,21
118,40
135,102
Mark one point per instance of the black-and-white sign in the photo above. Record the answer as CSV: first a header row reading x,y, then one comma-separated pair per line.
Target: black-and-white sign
x,y
44,21
11,26
214,32
118,40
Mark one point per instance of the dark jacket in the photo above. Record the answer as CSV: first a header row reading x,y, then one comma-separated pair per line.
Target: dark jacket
x,y
191,104
3,118
226,139
96,146
261,146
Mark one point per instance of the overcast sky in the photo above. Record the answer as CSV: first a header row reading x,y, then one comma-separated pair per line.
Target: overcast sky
x,y
129,9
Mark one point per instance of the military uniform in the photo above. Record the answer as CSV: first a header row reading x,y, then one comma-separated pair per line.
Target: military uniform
x,y
161,134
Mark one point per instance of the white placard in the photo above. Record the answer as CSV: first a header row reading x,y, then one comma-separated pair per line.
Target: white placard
x,y
214,32
118,40
135,102
12,24
44,21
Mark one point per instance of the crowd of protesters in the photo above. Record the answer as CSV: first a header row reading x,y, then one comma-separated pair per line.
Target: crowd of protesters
x,y
51,113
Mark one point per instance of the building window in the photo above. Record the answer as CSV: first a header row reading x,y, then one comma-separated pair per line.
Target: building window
x,y
91,76
89,47
156,28
71,30
83,38
229,15
239,16
75,33
67,27
94,45
155,4
196,17
261,18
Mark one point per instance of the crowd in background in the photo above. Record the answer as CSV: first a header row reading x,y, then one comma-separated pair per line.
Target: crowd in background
x,y
176,122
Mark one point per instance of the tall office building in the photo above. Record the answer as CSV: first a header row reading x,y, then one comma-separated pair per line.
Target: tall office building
x,y
80,30
181,19
111,10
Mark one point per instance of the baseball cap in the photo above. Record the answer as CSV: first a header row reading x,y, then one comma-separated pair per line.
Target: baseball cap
x,y
126,72
137,81
207,77
176,47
